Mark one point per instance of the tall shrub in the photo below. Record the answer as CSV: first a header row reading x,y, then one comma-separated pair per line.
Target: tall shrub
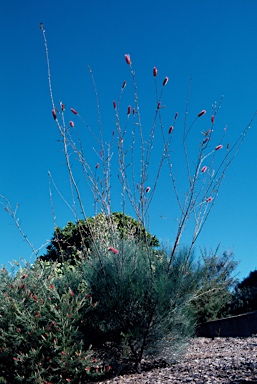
x,y
140,304
141,309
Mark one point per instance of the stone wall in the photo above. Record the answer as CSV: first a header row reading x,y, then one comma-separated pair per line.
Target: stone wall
x,y
237,326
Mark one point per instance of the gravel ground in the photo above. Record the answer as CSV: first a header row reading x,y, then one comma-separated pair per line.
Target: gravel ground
x,y
222,360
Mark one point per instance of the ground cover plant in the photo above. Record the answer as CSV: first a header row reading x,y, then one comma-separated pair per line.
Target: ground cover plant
x,y
104,295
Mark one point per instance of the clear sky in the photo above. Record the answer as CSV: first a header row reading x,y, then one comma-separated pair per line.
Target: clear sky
x,y
214,41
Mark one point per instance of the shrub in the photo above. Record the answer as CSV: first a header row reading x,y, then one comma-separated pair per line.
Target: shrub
x,y
215,281
127,298
141,308
244,296
40,313
73,241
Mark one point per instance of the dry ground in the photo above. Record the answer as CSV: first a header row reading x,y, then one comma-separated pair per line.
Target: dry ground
x,y
222,360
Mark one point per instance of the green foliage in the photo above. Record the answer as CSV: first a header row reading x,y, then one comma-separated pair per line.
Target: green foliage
x,y
122,304
244,297
142,310
215,281
75,239
40,313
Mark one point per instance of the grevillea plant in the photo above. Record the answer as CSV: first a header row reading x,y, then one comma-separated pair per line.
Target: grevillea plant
x,y
40,313
129,300
137,172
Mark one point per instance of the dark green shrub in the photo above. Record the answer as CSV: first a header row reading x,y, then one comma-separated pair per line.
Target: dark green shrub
x,y
244,297
75,239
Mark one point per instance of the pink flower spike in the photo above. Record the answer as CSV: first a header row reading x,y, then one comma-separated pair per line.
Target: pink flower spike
x,y
54,114
114,105
74,111
218,147
123,85
97,165
113,250
212,119
165,81
127,58
171,129
129,109
204,169
147,190
72,124
203,112
155,71
209,200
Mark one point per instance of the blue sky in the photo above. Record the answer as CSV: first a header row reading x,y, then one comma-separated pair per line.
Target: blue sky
x,y
214,41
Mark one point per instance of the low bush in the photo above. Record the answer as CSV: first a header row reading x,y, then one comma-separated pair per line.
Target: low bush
x,y
40,313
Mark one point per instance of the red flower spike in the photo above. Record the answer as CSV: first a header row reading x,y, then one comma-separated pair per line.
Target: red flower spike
x,y
71,292
72,124
212,119
218,147
51,286
155,71
74,111
176,115
24,276
123,85
147,190
129,109
62,106
97,165
204,169
209,200
203,112
114,105
127,58
165,81
159,105
113,250
171,129
54,114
